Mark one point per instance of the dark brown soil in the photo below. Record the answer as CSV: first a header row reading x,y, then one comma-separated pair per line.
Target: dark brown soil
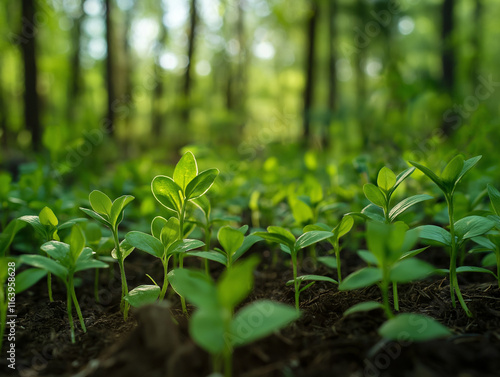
x,y
321,343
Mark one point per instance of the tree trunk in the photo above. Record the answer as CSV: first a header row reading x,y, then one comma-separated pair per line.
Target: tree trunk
x,y
3,116
75,84
448,55
193,21
332,72
359,63
109,70
31,99
476,42
158,111
310,54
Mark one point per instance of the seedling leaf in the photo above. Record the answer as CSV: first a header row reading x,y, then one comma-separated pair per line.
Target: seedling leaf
x,y
409,270
201,184
363,307
185,170
116,213
100,202
230,239
196,287
435,233
312,237
415,327
475,269
145,242
207,329
45,263
472,226
452,170
166,191
47,217
404,204
28,278
312,278
362,278
272,317
429,173
386,179
143,295
494,195
374,194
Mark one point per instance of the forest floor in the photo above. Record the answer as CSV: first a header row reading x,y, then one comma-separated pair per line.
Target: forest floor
x,y
321,343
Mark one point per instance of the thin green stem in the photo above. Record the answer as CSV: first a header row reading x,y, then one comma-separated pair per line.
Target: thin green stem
x,y
75,302
454,287
124,306
337,256
384,287
70,314
296,284
181,259
395,296
208,236
228,362
49,286
96,285
165,278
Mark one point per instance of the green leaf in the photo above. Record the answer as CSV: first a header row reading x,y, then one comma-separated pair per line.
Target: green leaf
x,y
170,233
374,194
494,195
283,232
28,278
259,319
230,239
312,237
330,262
201,184
452,170
312,278
345,226
145,242
468,164
210,255
302,213
247,244
76,242
203,203
117,208
196,287
412,253
414,327
429,173
96,217
93,233
8,234
386,179
185,170
100,202
368,257
372,212
462,269
489,260
400,178
317,226
34,221
46,264
207,329
181,246
143,295
167,192
60,251
435,233
364,277
89,264
409,270
364,307
157,226
472,226
403,205
236,283
47,217
125,248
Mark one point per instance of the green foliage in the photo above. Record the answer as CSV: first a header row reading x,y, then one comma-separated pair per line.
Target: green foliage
x,y
213,326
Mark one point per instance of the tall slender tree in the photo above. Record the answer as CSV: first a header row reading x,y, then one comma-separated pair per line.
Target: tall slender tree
x,y
158,110
309,69
75,83
31,98
332,71
448,59
193,23
110,82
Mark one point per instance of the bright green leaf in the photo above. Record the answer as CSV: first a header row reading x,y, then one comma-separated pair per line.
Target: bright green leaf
x,y
230,239
363,307
167,192
145,242
374,194
47,217
143,295
386,179
413,327
409,270
364,277
100,202
201,184
185,170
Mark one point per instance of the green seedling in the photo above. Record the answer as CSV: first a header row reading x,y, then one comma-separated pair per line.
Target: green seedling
x,y
234,245
110,214
68,259
214,326
185,186
292,246
467,227
380,209
209,220
47,226
380,196
8,234
392,260
340,230
162,244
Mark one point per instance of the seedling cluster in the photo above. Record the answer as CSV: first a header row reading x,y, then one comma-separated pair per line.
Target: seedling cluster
x,y
218,323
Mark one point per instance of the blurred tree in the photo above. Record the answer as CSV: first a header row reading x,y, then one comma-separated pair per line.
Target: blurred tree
x,y
75,83
332,71
193,23
359,64
477,37
110,65
158,100
31,98
309,69
448,56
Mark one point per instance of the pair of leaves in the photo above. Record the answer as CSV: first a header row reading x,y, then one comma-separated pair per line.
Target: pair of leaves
x,y
156,248
451,175
465,228
104,211
287,239
185,185
212,326
387,183
339,231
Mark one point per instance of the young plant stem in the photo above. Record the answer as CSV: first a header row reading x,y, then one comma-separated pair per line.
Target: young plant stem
x,y
228,362
208,236
395,296
124,306
384,287
296,284
312,253
75,302
165,278
337,256
181,259
70,315
49,286
454,287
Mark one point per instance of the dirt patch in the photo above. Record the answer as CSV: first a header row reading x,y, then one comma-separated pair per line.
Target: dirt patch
x,y
321,343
